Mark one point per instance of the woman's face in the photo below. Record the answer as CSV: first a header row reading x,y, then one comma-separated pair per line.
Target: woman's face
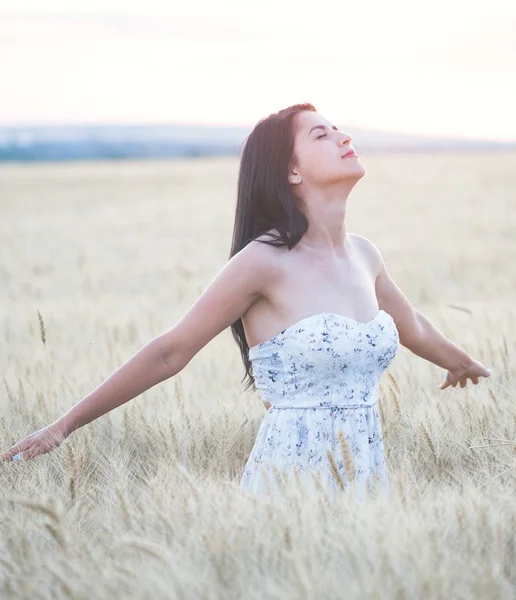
x,y
319,147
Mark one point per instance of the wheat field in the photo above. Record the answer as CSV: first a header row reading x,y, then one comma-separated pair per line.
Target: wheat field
x,y
144,502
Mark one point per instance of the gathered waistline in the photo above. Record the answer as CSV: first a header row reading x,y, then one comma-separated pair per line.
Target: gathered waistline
x,y
325,406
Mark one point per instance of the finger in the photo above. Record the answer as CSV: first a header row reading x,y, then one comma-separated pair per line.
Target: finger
x,y
41,448
21,446
474,380
31,453
19,457
22,453
463,382
488,372
8,455
28,453
446,381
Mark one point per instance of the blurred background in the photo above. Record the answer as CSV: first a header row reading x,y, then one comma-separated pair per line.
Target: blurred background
x,y
111,79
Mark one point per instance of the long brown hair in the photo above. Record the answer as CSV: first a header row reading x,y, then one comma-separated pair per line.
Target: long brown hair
x,y
265,199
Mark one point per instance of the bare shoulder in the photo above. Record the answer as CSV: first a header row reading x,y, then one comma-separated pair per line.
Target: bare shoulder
x,y
265,254
369,250
244,279
270,253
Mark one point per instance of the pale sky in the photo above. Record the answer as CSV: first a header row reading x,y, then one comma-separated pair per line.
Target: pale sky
x,y
446,67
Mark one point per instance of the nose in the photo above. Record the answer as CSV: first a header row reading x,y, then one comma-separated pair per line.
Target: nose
x,y
346,139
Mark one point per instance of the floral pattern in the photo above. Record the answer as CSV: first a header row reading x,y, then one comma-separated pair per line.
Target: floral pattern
x,y
321,376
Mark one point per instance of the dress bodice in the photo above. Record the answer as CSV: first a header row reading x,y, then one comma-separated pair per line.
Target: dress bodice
x,y
325,359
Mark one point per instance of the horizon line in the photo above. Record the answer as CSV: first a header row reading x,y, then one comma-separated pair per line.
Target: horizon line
x,y
208,124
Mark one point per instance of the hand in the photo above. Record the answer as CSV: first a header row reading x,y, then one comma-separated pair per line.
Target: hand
x,y
41,441
472,371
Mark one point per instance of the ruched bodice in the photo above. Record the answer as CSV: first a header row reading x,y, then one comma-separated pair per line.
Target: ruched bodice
x,y
321,375
325,359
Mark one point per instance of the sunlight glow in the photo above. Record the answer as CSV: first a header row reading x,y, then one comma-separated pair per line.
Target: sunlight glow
x,y
447,68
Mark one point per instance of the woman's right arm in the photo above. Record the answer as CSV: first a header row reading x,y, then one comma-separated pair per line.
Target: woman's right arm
x,y
234,289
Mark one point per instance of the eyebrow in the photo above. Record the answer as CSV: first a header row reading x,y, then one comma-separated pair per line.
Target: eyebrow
x,y
322,127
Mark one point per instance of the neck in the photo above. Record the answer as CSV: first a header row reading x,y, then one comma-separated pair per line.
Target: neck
x,y
326,224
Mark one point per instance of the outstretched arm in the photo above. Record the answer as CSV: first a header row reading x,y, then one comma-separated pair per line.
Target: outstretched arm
x,y
418,334
238,284
433,346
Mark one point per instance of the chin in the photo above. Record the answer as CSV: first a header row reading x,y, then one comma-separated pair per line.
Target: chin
x,y
357,172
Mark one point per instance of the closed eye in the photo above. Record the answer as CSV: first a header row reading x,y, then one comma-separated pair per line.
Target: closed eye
x,y
320,136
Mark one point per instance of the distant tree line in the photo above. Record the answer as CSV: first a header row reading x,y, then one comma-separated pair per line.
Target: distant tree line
x,y
118,143
91,149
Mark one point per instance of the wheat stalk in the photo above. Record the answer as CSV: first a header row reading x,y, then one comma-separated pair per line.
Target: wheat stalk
x,y
502,443
462,308
47,510
429,440
394,382
347,455
173,439
42,329
316,480
71,484
441,412
494,445
43,336
335,471
494,398
267,480
297,477
9,394
57,534
126,513
281,478
394,389
396,403
288,538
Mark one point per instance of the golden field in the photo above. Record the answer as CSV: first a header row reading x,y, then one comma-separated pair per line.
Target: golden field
x,y
144,502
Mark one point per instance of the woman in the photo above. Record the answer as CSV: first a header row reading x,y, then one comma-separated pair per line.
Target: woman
x,y
312,307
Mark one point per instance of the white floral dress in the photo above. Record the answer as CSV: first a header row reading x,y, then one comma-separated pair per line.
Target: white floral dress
x,y
321,376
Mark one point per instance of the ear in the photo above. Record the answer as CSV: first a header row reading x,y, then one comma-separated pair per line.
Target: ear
x,y
294,177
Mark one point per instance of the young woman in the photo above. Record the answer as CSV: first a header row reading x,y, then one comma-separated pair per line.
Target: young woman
x,y
315,314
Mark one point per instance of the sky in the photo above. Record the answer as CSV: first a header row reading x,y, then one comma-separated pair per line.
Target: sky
x,y
446,67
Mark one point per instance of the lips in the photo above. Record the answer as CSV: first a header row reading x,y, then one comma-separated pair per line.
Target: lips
x,y
350,153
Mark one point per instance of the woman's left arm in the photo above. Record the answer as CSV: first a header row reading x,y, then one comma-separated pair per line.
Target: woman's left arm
x,y
433,346
418,334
